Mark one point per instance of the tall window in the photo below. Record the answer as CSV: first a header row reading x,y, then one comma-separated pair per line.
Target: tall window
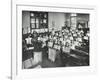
x,y
38,20
73,22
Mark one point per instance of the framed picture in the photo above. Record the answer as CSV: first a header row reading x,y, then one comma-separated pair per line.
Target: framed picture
x,y
31,59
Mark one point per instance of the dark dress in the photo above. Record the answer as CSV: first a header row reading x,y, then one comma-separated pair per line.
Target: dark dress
x,y
37,52
37,45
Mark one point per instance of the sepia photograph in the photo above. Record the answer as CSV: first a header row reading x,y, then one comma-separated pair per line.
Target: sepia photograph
x,y
55,39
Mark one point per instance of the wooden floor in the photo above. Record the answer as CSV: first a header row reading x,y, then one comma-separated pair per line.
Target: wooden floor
x,y
46,63
66,61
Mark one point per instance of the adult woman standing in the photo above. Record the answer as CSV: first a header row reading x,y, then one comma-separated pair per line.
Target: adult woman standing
x,y
37,52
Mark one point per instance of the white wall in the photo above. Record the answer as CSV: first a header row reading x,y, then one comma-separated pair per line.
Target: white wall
x,y
25,21
57,18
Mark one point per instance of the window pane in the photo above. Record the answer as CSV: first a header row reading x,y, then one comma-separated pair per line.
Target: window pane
x,y
37,25
32,20
45,16
44,21
37,20
32,14
32,25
